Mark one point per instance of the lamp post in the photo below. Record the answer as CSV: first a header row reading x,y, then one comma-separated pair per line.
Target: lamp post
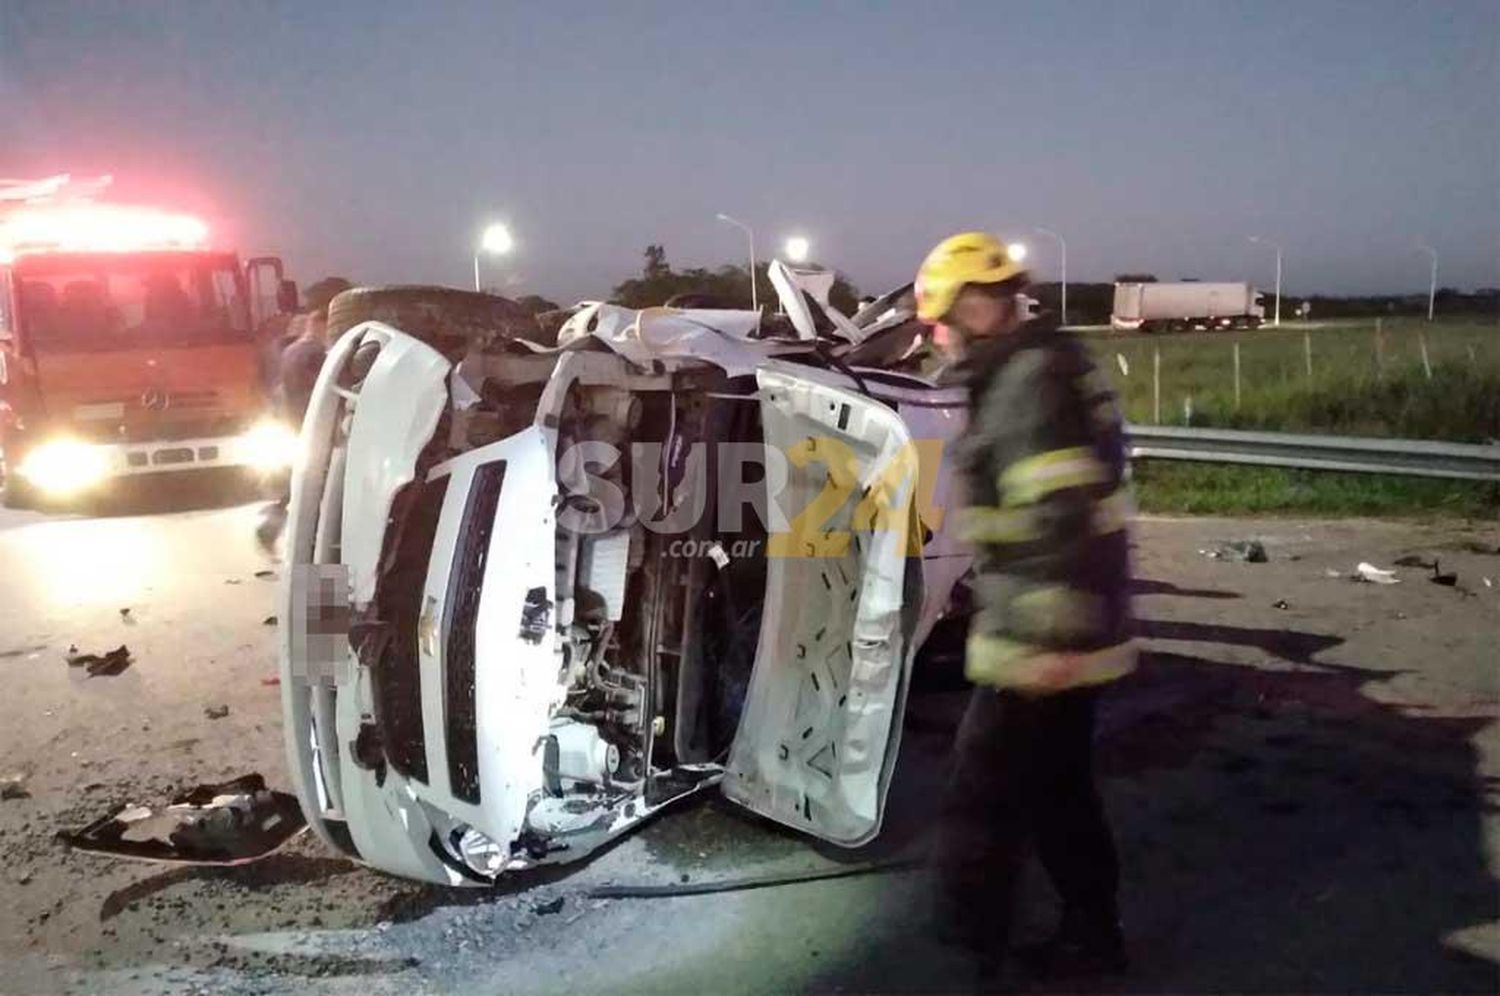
x,y
797,249
495,240
1257,239
1432,280
1016,251
1062,246
750,235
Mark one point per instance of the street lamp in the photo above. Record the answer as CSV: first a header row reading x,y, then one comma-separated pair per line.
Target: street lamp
x,y
1432,284
495,240
1062,246
749,234
1016,251
1262,241
797,249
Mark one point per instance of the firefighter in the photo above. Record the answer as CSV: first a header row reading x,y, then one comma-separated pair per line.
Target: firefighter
x,y
1044,470
297,371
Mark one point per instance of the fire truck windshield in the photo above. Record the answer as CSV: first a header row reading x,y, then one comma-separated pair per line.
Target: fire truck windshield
x,y
112,302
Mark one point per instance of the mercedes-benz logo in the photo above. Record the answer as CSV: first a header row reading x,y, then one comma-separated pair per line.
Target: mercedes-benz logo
x,y
155,400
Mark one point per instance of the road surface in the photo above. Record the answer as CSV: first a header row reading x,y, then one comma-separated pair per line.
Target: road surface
x,y
1305,796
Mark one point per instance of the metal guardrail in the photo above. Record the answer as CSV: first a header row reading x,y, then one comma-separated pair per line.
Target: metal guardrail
x,y
1413,457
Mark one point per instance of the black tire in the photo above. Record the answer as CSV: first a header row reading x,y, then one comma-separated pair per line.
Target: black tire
x,y
449,320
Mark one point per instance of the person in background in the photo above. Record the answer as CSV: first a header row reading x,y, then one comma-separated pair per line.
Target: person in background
x,y
1043,463
296,374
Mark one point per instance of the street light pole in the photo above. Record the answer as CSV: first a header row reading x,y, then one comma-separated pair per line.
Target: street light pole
x,y
1276,320
1432,282
476,271
1062,246
495,240
750,235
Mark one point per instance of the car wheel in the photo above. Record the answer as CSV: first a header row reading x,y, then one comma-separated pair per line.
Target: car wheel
x,y
449,320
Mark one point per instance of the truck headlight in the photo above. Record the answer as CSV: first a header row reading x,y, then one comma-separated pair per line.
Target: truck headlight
x,y
64,466
267,446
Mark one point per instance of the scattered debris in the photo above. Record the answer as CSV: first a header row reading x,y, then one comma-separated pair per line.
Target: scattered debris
x,y
1244,551
1280,603
1448,580
231,580
231,823
216,711
101,665
1329,572
266,575
548,908
1413,560
125,615
1488,583
1374,575
14,787
271,681
23,878
268,621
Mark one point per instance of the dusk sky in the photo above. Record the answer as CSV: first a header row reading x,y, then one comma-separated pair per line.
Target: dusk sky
x,y
374,139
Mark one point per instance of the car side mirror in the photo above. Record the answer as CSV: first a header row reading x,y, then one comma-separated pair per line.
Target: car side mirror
x,y
286,297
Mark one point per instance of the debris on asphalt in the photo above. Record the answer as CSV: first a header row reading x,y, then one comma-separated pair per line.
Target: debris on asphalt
x,y
266,575
101,665
549,908
1374,575
1241,551
231,580
1448,580
23,878
271,681
231,823
268,621
125,615
1488,583
1413,560
1280,603
14,787
216,711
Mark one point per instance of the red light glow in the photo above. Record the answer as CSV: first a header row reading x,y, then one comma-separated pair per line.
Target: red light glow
x,y
92,227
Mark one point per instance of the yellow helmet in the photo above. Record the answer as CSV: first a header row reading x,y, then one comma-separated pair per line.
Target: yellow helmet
x,y
967,258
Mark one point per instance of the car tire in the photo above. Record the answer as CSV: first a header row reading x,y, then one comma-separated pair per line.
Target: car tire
x,y
449,320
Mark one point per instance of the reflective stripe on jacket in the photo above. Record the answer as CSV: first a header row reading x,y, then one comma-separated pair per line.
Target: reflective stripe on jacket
x,y
1044,463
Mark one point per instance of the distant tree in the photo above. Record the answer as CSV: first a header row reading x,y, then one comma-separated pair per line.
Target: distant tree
x,y
319,294
727,287
536,304
656,262
1135,278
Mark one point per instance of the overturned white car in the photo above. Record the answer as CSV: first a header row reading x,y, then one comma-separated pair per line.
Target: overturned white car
x,y
538,592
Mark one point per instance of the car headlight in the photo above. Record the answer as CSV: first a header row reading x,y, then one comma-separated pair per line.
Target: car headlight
x,y
268,445
64,466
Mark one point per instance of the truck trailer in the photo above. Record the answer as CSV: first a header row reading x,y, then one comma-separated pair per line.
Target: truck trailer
x,y
1179,307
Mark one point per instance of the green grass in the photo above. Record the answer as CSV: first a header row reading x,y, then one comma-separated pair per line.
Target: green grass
x,y
1356,389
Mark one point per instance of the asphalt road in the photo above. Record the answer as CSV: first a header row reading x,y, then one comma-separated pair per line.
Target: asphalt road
x,y
1305,797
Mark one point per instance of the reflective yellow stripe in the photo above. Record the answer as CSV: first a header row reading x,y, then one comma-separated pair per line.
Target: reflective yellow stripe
x,y
1057,613
1001,662
1029,479
997,525
1114,511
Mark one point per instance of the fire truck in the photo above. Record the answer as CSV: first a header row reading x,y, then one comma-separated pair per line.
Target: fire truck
x,y
128,346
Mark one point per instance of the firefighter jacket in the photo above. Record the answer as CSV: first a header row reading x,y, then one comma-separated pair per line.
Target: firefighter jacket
x,y
1049,504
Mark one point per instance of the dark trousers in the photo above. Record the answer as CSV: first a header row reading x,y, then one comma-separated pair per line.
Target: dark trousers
x,y
1024,776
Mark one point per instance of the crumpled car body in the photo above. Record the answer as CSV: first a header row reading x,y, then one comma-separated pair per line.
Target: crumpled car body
x,y
539,593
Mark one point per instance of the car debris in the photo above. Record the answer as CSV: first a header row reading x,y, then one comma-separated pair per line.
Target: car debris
x,y
101,665
549,908
1280,603
14,787
1448,580
266,575
225,824
1371,574
268,621
216,711
1238,551
1415,560
126,617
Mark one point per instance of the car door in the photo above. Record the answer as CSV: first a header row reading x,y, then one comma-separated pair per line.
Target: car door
x,y
817,740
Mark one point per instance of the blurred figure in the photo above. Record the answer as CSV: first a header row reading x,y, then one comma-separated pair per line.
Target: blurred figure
x,y
1044,469
296,374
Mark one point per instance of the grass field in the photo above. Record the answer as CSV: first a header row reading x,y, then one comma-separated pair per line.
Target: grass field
x,y
1362,383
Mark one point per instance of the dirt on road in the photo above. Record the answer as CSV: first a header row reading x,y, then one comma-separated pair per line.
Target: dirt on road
x,y
1304,777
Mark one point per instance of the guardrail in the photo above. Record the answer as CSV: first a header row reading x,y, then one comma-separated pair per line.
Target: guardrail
x,y
1413,457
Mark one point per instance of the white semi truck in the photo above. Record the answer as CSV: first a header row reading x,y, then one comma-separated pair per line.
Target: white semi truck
x,y
1176,307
